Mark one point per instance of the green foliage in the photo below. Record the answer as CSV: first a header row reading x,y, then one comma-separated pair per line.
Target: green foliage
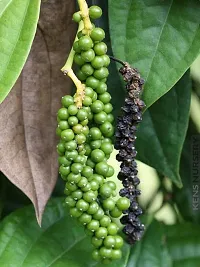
x,y
62,242
162,133
18,22
160,38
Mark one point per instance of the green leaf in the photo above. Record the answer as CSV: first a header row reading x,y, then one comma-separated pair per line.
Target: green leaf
x,y
18,22
190,193
162,133
160,38
62,242
183,242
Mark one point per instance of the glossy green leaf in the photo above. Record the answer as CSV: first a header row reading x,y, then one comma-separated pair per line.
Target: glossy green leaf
x,y
160,38
62,242
190,193
18,22
183,242
162,133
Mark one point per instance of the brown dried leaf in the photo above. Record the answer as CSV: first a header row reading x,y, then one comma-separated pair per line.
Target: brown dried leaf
x,y
28,116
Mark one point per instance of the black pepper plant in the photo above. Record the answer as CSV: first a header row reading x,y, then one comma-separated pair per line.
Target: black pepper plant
x,y
86,130
129,96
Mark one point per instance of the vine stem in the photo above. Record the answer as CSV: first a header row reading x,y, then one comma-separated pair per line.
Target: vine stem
x,y
84,11
67,70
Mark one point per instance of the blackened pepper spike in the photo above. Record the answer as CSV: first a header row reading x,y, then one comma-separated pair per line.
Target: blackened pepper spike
x,y
125,142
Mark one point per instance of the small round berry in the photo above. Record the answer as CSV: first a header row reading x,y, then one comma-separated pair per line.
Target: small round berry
x,y
106,60
110,118
89,196
67,100
101,168
77,17
80,34
63,161
95,144
107,129
97,155
58,131
97,62
67,135
105,221
77,194
98,178
109,241
105,191
71,145
70,202
63,125
105,252
71,187
95,133
90,163
112,229
87,69
80,139
93,208
89,92
95,255
118,242
87,171
101,117
76,47
108,204
93,225
74,212
123,203
87,101
85,43
101,233
96,242
84,122
99,214
78,59
97,106
94,185
102,88
110,171
83,182
100,49
71,155
105,97
82,115
107,148
72,121
92,82
108,108
63,114
97,34
88,56
81,76
101,73
80,159
72,110
82,205
85,218
95,12
76,168
116,254
61,148
116,213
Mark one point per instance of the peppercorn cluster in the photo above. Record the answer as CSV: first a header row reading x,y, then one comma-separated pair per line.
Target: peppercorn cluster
x,y
86,144
125,142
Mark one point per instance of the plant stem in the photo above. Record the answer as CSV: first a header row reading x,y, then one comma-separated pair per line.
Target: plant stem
x,y
67,70
84,11
117,60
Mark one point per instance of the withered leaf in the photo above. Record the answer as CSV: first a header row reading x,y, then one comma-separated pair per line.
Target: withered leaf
x,y
28,115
